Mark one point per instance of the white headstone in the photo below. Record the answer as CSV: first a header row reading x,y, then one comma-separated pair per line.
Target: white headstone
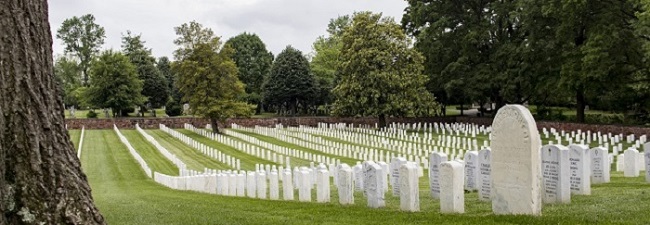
x,y
287,185
620,163
241,185
631,167
261,185
555,170
251,185
372,185
599,165
580,176
384,175
346,186
516,169
471,170
485,171
646,154
322,185
435,159
409,188
304,191
274,189
452,195
395,164
358,177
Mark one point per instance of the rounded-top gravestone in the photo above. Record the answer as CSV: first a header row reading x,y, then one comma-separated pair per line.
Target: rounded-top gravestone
x,y
516,170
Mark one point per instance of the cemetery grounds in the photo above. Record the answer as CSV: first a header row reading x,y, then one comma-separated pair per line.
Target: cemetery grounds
x,y
125,193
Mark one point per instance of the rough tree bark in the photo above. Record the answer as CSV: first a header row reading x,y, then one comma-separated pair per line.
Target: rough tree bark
x,y
41,181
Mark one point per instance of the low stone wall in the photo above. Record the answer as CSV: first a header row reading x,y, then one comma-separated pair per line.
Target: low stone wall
x,y
152,123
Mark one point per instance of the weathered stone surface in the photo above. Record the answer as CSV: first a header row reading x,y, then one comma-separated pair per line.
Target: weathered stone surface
x,y
274,189
452,195
287,185
409,188
471,170
304,191
346,186
555,173
646,154
395,164
435,158
322,185
261,185
251,185
372,185
516,169
600,165
631,163
580,178
485,177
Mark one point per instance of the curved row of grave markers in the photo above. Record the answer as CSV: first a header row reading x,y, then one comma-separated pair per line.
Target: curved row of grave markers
x,y
229,160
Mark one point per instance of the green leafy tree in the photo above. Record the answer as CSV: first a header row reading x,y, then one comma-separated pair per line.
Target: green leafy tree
x,y
479,51
174,106
380,74
68,75
164,66
326,61
82,38
601,53
155,86
290,85
207,75
114,83
253,62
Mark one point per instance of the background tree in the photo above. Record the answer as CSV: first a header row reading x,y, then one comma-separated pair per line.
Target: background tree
x,y
290,86
164,66
601,52
478,49
68,74
82,37
253,62
380,74
41,180
207,75
155,86
174,106
326,60
114,83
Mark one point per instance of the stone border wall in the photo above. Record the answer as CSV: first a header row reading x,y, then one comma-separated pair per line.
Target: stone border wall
x,y
152,123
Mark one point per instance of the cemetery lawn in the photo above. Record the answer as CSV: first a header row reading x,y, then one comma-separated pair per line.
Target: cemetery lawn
x,y
192,158
124,195
74,137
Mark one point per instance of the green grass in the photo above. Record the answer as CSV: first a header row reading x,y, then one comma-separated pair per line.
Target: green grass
x,y
156,160
74,137
192,158
275,141
125,195
247,162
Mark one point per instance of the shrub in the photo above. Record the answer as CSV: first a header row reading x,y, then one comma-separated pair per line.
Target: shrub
x,y
91,114
173,109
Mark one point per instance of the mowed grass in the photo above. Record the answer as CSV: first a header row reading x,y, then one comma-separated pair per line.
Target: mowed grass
x,y
276,141
192,158
125,195
156,160
74,137
247,162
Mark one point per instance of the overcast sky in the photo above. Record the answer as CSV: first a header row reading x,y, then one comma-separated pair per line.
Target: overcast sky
x,y
278,22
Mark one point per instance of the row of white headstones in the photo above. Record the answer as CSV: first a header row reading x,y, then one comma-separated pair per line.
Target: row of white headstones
x,y
552,165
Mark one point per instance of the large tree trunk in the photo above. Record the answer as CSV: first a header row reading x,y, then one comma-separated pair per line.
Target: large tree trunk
x,y
41,181
215,125
580,105
382,120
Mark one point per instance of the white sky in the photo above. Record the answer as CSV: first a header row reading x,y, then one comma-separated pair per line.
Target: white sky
x,y
278,22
